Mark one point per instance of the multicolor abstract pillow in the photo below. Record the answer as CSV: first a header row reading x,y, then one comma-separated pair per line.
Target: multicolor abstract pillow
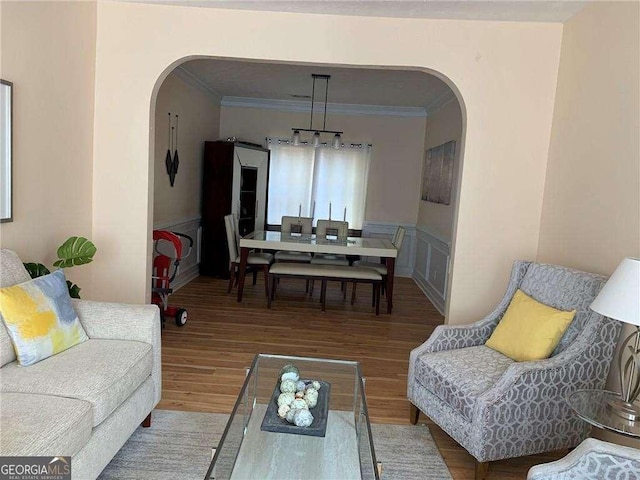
x,y
40,318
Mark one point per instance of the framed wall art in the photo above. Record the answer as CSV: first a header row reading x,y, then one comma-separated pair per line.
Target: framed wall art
x,y
6,150
438,173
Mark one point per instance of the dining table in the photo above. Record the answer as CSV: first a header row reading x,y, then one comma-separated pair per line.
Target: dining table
x,y
363,246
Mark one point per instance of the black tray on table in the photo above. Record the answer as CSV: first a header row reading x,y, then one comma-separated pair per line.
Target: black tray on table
x,y
273,423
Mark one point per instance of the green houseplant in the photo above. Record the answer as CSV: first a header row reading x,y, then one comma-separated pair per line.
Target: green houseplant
x,y
74,251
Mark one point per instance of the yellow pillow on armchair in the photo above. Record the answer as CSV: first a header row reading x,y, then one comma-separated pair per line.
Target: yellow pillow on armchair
x,y
529,330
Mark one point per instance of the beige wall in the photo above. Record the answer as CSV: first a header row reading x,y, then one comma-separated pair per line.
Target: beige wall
x,y
395,158
591,209
508,112
199,120
48,52
442,126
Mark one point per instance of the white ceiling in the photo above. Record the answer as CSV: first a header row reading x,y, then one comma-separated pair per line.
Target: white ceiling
x,y
501,10
355,86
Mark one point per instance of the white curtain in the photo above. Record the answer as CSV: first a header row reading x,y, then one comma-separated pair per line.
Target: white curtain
x,y
306,176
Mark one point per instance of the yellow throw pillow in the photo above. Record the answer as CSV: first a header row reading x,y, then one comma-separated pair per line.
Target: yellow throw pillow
x,y
40,318
529,330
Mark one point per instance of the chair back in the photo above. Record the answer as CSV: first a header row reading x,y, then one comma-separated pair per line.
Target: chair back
x,y
229,225
302,224
332,227
398,237
565,289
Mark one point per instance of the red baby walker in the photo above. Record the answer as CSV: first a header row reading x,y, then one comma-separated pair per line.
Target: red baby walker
x,y
162,275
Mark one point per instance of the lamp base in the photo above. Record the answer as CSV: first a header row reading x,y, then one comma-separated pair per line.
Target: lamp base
x,y
626,410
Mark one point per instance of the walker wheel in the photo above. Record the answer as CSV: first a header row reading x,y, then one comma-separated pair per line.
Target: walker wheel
x,y
181,317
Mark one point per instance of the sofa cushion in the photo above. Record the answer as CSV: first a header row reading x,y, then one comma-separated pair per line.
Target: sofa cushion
x,y
101,372
459,376
12,271
43,425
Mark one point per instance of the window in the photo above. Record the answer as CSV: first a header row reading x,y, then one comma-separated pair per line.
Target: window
x,y
302,178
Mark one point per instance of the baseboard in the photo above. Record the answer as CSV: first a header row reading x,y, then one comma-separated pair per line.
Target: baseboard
x,y
434,297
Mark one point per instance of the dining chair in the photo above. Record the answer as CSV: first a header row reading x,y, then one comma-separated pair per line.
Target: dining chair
x,y
289,225
339,229
381,268
255,260
326,228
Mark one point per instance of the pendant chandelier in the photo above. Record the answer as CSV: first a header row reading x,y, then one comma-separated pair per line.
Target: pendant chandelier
x,y
337,139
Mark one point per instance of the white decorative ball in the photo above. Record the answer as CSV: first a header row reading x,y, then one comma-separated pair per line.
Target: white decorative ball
x,y
288,386
290,415
294,376
315,384
283,410
300,386
303,418
285,399
299,403
311,397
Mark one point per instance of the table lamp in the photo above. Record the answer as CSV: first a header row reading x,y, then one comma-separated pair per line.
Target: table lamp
x,y
620,299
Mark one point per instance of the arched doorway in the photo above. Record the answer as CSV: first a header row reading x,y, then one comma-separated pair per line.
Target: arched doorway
x,y
262,100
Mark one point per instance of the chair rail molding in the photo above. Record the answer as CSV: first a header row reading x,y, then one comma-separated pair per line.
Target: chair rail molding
x,y
431,267
405,261
189,267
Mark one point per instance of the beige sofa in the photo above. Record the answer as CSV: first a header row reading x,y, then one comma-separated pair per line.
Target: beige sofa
x,y
84,402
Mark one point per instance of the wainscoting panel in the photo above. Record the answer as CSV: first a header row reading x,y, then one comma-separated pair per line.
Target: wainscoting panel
x,y
431,269
405,260
189,267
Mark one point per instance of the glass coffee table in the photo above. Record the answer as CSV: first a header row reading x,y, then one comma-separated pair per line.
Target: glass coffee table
x,y
345,452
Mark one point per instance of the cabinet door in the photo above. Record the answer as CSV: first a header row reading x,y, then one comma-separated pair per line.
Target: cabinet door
x,y
250,170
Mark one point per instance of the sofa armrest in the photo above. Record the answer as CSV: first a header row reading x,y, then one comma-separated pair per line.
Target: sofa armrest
x,y
118,321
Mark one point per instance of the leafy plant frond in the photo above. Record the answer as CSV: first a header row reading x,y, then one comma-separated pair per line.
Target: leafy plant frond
x,y
74,290
75,251
36,269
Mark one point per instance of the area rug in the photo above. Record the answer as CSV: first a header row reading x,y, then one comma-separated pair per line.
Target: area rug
x,y
178,447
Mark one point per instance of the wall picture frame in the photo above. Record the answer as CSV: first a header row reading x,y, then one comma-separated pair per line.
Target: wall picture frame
x,y
6,151
437,179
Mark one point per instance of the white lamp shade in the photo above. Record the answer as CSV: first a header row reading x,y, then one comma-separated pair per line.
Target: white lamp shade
x,y
620,297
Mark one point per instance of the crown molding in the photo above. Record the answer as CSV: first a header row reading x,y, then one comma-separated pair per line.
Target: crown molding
x,y
188,77
332,108
444,99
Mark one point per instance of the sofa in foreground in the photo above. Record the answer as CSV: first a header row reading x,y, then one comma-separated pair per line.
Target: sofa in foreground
x,y
84,402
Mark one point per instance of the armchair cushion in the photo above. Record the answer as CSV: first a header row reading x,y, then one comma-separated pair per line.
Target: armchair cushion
x,y
529,330
459,376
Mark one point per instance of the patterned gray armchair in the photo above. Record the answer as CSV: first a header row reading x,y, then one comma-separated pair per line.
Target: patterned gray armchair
x,y
497,408
592,460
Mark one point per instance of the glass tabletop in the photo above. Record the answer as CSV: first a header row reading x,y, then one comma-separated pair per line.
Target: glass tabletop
x,y
593,407
305,238
346,451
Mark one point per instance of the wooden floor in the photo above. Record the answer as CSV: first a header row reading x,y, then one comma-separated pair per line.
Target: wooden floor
x,y
204,362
